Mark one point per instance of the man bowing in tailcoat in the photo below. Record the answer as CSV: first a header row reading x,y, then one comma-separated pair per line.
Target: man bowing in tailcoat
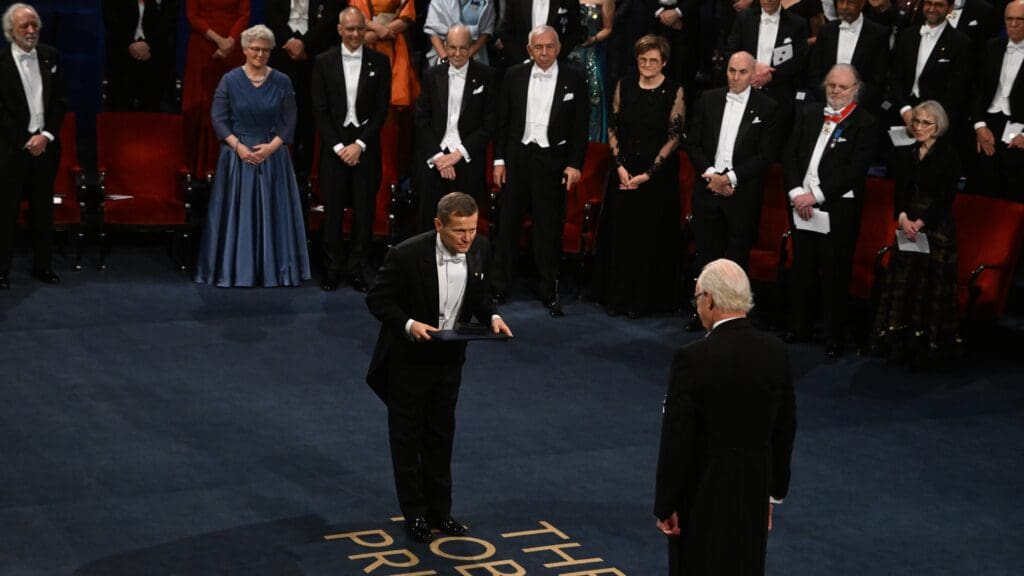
x,y
428,283
456,115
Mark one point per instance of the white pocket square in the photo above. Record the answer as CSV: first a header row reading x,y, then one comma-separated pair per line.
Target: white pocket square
x,y
372,74
479,90
788,40
562,143
943,60
54,69
757,120
562,10
848,194
840,139
568,96
972,23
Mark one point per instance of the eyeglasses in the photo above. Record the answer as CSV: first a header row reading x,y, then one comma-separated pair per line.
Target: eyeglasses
x,y
257,50
696,297
1014,20
920,122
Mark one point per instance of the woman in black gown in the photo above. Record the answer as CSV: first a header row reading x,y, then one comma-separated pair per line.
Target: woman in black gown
x,y
638,239
917,311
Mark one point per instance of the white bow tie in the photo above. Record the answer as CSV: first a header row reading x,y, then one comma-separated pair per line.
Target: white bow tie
x,y
351,56
543,75
456,259
1012,48
730,97
27,57
460,72
927,31
844,25
769,18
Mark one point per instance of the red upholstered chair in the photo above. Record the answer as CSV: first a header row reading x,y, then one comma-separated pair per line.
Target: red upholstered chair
x,y
143,177
582,208
770,255
876,236
68,189
990,232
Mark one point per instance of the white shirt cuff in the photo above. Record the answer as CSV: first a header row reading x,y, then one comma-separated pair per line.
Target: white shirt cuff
x,y
794,193
905,109
361,144
337,147
499,162
465,153
709,171
48,135
775,501
818,194
408,327
980,125
732,177
433,160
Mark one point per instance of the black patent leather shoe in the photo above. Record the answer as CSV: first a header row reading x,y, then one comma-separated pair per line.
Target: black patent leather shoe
x,y
833,350
554,308
419,529
5,282
46,276
358,284
329,284
450,526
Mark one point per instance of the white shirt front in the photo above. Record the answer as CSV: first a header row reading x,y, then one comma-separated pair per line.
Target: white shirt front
x,y
812,182
539,97
456,86
849,33
539,13
929,37
766,36
32,81
1011,66
451,285
732,117
298,18
139,34
351,63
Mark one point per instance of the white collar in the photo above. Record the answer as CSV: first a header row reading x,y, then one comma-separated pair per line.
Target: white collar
x,y
17,52
443,252
553,70
854,26
345,51
724,320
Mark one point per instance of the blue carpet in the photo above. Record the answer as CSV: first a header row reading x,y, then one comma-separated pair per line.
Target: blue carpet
x,y
152,426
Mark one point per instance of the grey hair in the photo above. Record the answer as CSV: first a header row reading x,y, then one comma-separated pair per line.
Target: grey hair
x,y
8,20
936,110
857,83
728,286
543,28
457,27
257,32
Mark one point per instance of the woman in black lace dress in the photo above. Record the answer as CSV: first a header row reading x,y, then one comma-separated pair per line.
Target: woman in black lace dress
x,y
638,238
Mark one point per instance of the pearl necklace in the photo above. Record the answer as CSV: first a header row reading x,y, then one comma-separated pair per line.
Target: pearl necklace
x,y
256,80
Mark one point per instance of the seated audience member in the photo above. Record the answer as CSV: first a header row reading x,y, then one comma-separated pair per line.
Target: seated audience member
x,y
255,231
825,170
917,312
456,115
140,53
999,103
477,16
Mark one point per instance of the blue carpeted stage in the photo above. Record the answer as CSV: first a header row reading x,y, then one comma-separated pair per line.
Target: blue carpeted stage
x,y
151,426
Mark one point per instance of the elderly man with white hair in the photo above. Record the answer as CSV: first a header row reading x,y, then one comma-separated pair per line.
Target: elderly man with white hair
x,y
727,434
32,105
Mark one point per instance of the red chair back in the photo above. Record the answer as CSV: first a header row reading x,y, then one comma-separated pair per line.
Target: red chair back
x,y
589,189
989,233
766,253
877,230
142,157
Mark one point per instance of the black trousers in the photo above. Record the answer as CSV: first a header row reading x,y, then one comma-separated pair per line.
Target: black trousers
x,y
534,185
726,227
824,260
1000,175
431,187
421,430
31,177
344,186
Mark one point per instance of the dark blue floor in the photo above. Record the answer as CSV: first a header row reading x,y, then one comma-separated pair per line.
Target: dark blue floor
x,y
149,425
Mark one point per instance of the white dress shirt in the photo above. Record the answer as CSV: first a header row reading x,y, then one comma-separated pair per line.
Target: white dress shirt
x,y
32,81
298,18
849,33
1012,60
732,117
351,65
452,140
929,37
139,33
539,13
766,36
451,287
539,97
812,182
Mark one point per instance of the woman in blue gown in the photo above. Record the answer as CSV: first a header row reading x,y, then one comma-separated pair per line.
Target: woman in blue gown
x,y
254,233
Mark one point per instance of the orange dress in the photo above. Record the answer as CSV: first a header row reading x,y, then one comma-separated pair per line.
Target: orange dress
x,y
405,86
203,73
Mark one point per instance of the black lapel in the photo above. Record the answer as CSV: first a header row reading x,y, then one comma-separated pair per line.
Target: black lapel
x,y
428,274
749,113
442,89
561,89
472,83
